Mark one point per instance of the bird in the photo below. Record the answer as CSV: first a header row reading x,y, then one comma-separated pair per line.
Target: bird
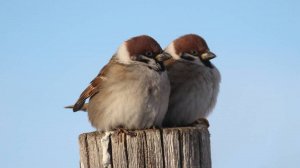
x,y
194,81
131,91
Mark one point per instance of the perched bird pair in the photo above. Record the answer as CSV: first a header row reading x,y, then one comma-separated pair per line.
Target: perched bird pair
x,y
135,90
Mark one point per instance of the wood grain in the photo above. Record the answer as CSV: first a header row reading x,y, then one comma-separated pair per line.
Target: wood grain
x,y
184,147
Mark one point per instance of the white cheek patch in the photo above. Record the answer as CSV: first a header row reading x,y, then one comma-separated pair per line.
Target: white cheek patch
x,y
171,50
123,54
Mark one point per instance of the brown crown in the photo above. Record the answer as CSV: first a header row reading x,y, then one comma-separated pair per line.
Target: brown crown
x,y
142,44
190,42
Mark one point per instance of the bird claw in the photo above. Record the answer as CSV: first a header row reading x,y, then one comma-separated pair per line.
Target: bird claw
x,y
155,127
201,122
126,132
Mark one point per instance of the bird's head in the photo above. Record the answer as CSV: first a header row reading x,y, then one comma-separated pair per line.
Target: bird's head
x,y
141,49
191,48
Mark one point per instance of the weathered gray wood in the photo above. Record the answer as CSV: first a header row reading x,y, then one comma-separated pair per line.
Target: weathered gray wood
x,y
92,147
83,151
205,155
119,152
186,147
154,150
99,149
171,148
190,142
135,150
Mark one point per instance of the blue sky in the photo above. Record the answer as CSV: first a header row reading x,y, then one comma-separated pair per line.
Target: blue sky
x,y
51,50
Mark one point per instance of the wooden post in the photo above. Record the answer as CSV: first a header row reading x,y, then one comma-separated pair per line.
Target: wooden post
x,y
184,147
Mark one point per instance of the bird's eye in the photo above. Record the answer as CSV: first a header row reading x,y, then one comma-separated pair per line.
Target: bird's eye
x,y
194,52
148,54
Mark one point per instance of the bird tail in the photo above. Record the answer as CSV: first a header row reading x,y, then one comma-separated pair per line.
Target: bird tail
x,y
83,108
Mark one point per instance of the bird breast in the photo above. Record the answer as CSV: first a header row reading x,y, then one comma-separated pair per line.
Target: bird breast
x,y
193,94
133,97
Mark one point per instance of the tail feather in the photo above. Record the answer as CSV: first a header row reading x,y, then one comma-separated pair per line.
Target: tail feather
x,y
83,108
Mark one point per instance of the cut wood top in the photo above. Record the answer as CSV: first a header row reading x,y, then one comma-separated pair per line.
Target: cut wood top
x,y
169,147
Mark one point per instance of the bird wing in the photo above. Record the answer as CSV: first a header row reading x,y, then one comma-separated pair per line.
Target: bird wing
x,y
93,88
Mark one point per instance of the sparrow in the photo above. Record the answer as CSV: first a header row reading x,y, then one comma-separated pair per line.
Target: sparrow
x,y
194,81
131,91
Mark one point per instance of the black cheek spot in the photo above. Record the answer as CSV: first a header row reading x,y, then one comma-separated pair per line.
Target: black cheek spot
x,y
188,58
142,60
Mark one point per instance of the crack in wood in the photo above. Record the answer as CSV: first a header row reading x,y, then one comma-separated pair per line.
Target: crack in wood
x,y
162,148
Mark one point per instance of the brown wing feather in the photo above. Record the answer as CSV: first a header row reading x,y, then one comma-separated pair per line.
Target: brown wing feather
x,y
92,89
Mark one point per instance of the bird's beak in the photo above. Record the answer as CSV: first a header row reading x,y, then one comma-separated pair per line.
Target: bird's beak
x,y
163,57
207,56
